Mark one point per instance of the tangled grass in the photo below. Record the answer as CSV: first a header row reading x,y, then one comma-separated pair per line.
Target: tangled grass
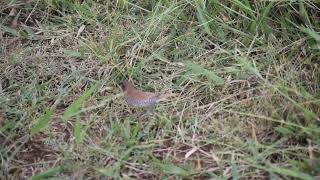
x,y
246,74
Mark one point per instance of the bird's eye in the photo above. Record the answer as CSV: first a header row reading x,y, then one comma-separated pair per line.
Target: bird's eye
x,y
124,84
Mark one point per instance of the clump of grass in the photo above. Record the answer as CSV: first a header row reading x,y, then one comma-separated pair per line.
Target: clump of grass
x,y
246,73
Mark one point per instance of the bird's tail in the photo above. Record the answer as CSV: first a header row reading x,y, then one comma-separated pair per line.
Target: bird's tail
x,y
166,96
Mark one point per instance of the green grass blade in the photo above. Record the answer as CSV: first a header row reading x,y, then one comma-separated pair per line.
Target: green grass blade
x,y
184,78
72,53
76,105
30,32
263,19
307,113
109,172
284,130
246,9
245,64
114,171
9,30
172,169
77,131
234,171
314,35
304,13
291,173
202,17
42,122
48,173
134,137
209,74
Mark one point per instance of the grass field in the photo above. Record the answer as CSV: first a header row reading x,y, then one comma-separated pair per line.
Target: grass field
x,y
246,76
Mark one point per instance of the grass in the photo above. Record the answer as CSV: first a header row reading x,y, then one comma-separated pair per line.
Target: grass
x,y
246,76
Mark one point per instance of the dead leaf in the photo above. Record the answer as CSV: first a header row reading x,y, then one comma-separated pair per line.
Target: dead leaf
x,y
80,30
13,12
188,154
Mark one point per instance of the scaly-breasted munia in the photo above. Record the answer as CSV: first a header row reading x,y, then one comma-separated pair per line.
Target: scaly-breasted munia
x,y
140,98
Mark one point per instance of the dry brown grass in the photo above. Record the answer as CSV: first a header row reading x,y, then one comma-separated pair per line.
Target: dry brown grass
x,y
262,122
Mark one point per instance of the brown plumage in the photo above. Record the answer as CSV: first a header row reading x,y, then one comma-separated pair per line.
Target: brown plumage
x,y
140,98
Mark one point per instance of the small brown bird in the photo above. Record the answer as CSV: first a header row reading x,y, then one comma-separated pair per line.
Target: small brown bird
x,y
140,98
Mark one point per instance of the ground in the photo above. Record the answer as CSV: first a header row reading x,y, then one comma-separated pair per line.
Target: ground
x,y
245,73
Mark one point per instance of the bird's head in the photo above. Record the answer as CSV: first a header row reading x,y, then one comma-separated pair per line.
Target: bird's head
x,y
125,85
